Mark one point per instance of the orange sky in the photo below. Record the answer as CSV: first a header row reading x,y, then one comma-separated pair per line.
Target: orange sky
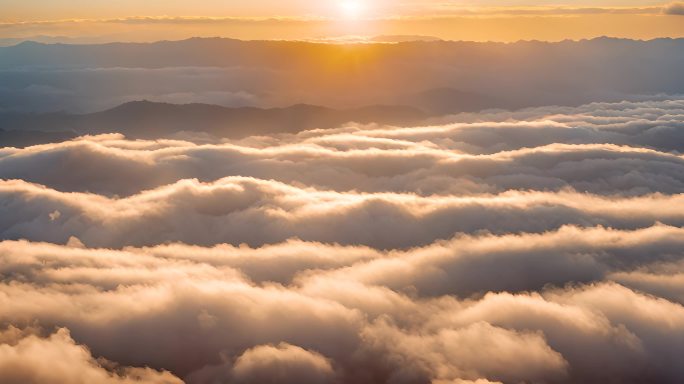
x,y
61,9
487,20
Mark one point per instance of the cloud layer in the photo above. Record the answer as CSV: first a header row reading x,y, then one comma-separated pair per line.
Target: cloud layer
x,y
368,316
538,246
674,9
609,149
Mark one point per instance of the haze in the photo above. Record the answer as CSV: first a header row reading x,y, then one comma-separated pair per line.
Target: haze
x,y
494,20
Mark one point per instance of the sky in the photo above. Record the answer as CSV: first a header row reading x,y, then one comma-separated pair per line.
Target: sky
x,y
62,9
489,20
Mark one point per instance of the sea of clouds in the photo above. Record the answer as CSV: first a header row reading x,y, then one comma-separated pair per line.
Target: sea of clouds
x,y
538,246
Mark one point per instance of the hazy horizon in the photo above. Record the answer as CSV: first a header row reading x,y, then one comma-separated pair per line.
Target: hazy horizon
x,y
502,21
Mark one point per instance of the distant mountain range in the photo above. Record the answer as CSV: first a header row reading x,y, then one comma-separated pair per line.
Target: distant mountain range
x,y
435,76
144,119
46,39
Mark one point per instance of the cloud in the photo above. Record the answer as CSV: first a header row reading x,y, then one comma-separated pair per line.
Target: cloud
x,y
283,363
674,9
521,262
665,280
495,351
558,334
456,267
362,309
426,183
629,148
26,358
256,212
541,246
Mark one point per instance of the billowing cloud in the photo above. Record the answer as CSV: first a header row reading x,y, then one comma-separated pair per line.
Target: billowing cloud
x,y
609,149
284,363
27,358
345,327
257,212
537,246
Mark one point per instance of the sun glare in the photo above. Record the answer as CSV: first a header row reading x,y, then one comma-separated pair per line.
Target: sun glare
x,y
352,9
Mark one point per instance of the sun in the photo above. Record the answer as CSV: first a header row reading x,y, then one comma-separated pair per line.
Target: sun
x,y
352,9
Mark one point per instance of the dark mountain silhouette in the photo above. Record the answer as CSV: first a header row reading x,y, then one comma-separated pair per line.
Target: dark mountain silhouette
x,y
442,101
144,119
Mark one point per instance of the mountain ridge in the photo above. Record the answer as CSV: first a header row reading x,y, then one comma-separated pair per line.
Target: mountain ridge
x,y
148,119
374,40
86,78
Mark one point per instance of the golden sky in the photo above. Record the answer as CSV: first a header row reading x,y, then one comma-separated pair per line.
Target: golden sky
x,y
487,20
61,9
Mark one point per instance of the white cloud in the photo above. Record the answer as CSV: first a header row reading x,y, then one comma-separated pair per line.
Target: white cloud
x,y
465,252
27,358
